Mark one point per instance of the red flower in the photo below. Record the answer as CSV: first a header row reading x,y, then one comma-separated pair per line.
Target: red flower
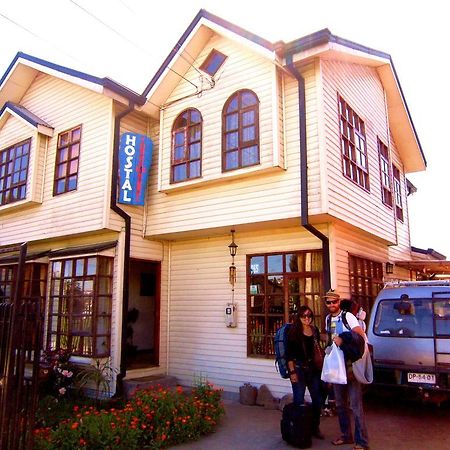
x,y
75,425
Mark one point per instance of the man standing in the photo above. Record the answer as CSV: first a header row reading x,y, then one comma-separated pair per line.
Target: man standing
x,y
348,396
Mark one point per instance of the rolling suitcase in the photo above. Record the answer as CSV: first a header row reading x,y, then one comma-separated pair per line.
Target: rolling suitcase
x,y
296,425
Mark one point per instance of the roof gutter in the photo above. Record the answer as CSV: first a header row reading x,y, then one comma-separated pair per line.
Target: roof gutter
x,y
304,174
127,220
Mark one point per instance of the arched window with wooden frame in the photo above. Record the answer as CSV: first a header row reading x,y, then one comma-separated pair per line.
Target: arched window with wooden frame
x,y
240,131
186,159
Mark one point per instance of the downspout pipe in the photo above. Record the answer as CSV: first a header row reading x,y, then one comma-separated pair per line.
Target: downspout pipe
x,y
127,220
304,174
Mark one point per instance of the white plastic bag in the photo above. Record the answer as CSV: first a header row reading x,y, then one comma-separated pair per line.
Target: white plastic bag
x,y
333,370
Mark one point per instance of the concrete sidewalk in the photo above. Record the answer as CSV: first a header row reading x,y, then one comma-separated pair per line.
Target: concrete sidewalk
x,y
253,428
392,426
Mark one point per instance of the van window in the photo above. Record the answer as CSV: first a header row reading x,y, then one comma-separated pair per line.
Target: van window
x,y
404,318
442,314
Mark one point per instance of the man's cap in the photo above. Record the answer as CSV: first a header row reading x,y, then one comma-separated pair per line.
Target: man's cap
x,y
332,294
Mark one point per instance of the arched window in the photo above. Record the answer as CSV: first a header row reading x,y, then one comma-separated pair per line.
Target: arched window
x,y
186,146
240,131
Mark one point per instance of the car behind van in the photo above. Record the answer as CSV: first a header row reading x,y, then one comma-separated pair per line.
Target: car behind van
x,y
409,331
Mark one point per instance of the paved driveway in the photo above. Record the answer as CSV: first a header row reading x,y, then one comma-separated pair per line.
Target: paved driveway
x,y
393,425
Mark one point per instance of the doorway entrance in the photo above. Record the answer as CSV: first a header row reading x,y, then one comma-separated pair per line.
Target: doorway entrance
x,y
142,347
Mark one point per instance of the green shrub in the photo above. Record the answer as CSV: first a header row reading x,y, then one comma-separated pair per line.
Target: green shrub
x,y
153,418
97,374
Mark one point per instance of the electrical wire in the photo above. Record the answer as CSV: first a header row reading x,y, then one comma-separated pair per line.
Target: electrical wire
x,y
22,27
128,40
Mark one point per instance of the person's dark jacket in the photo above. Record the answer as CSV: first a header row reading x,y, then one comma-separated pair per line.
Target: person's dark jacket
x,y
300,348
353,345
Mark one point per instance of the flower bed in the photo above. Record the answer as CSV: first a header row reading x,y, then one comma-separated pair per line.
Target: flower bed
x,y
153,418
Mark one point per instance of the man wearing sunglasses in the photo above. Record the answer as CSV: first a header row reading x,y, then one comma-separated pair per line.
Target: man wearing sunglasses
x,y
348,396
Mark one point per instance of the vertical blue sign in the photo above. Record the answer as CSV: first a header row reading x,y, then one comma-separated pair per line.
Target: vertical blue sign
x,y
135,159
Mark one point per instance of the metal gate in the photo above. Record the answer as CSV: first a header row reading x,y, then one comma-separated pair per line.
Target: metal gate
x,y
21,320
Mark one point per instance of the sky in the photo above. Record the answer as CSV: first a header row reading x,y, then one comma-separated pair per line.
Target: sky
x,y
128,40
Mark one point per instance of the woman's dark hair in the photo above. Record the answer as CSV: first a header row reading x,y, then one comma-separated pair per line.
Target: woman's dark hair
x,y
303,309
298,326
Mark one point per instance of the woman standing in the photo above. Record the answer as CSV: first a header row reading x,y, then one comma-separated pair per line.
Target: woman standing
x,y
303,372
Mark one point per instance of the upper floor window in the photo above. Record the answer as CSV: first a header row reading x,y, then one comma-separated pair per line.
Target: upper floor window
x,y
397,193
386,189
67,159
353,145
240,136
14,162
79,313
213,62
186,146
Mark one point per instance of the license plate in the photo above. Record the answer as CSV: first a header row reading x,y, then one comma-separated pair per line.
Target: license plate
x,y
414,377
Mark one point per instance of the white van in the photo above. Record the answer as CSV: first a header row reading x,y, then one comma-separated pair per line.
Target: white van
x,y
409,331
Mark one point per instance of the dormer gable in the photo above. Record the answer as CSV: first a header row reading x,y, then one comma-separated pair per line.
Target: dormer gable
x,y
27,117
204,26
24,68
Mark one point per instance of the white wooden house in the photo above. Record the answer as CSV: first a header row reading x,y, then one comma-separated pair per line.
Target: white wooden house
x,y
300,148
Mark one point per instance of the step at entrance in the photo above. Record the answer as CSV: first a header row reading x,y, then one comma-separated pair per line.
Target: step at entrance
x,y
131,385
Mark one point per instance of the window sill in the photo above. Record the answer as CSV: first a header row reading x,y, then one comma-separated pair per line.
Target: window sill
x,y
223,177
21,204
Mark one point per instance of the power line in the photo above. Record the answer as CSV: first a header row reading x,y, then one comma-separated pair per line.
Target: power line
x,y
178,45
22,27
126,39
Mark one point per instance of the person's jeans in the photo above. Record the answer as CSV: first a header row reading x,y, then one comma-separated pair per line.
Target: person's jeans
x,y
345,394
310,379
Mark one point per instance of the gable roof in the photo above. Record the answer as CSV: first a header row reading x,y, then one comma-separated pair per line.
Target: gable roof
x,y
319,44
325,44
192,41
23,68
10,108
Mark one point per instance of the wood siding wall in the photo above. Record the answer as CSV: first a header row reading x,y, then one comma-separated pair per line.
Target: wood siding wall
x,y
311,77
64,106
14,131
142,248
401,251
346,240
361,88
250,195
199,341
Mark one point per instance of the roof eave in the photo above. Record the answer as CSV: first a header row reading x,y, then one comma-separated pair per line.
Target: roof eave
x,y
25,116
100,85
324,42
203,17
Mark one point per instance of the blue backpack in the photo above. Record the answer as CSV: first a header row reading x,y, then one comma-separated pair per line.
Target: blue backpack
x,y
280,342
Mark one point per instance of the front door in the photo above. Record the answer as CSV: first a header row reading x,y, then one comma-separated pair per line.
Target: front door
x,y
142,347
